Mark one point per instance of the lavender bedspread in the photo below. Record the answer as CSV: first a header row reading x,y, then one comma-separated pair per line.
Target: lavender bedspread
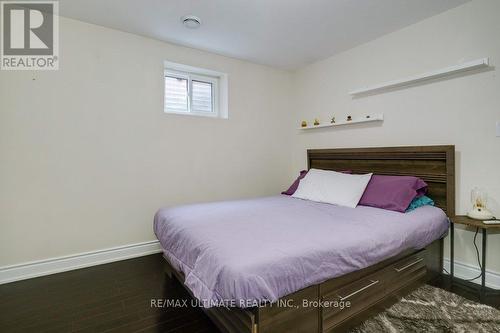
x,y
262,249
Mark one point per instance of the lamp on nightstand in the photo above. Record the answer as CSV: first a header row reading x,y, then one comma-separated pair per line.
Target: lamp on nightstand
x,y
479,211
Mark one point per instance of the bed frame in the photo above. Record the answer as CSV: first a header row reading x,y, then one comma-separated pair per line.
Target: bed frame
x,y
369,290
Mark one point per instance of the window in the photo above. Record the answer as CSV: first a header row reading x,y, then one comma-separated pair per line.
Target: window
x,y
194,91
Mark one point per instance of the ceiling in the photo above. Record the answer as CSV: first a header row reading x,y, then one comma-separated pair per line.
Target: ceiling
x,y
282,33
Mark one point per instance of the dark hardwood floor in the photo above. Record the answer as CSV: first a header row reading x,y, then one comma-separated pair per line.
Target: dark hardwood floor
x,y
114,297
469,290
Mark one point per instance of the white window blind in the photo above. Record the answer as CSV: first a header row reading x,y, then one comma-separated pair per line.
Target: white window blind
x,y
176,94
202,96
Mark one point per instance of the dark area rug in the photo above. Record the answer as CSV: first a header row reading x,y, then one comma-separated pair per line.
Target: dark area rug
x,y
430,309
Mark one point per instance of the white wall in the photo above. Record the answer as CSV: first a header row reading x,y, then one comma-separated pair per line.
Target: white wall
x,y
88,156
460,111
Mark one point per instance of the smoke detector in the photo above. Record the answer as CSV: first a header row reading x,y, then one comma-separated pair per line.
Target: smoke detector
x,y
191,21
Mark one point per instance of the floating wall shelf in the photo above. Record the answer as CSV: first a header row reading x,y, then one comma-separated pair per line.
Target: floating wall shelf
x,y
364,119
467,66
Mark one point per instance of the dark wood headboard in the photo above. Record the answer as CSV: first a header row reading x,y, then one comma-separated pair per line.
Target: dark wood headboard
x,y
434,164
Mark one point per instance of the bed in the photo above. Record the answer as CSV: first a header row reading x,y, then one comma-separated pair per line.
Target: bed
x,y
281,264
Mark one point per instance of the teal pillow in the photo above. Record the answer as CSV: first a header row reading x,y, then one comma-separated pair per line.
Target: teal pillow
x,y
419,202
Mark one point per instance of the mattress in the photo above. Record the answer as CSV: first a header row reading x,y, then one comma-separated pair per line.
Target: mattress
x,y
242,253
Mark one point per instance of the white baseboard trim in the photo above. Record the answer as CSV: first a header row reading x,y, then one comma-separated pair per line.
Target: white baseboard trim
x,y
93,258
76,261
467,271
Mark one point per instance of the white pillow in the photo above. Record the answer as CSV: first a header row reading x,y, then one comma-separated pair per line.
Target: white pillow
x,y
332,187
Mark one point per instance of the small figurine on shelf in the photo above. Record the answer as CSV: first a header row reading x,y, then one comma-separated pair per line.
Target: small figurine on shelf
x,y
333,120
316,121
303,124
349,118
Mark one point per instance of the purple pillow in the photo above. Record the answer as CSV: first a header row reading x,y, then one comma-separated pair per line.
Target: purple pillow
x,y
295,185
392,192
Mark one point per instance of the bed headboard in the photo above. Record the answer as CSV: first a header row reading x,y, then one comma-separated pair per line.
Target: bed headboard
x,y
434,164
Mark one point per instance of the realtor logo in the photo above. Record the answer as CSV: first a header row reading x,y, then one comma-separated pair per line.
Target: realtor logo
x,y
30,35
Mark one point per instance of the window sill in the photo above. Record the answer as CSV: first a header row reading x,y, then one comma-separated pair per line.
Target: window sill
x,y
193,114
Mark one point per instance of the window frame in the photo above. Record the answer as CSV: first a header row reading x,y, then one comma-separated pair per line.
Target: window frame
x,y
194,76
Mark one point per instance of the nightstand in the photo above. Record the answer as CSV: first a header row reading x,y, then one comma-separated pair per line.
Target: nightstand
x,y
465,220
